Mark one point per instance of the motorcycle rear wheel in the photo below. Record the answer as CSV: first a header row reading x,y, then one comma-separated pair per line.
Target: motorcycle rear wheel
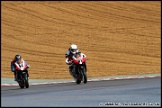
x,y
26,84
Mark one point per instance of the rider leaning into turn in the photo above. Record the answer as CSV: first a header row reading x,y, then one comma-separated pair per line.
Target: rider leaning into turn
x,y
17,59
69,56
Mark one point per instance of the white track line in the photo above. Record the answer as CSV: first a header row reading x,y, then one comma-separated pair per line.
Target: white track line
x,y
93,79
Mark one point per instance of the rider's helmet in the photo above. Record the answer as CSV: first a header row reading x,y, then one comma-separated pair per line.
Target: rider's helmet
x,y
18,58
73,49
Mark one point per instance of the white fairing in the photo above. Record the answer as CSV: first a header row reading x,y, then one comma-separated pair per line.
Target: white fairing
x,y
83,55
80,58
20,66
80,61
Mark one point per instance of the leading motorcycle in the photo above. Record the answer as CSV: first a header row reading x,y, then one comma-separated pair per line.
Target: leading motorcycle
x,y
21,72
80,69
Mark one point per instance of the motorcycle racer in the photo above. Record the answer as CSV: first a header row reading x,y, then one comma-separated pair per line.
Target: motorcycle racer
x,y
18,59
72,51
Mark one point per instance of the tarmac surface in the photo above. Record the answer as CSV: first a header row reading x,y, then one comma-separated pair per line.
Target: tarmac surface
x,y
141,91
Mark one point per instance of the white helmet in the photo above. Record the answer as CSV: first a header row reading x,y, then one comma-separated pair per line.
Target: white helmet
x,y
73,48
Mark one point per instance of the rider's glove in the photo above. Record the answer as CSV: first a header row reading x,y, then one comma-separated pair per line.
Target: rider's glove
x,y
28,66
70,61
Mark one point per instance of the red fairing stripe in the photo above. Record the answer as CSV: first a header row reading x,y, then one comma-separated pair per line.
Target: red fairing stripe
x,y
76,61
83,60
17,68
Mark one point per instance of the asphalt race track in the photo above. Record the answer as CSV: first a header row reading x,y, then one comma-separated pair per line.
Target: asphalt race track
x,y
132,92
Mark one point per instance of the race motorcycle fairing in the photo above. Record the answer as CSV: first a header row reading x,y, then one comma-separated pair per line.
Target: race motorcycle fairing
x,y
21,73
79,70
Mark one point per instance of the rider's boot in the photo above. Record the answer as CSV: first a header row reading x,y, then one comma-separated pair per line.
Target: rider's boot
x,y
15,76
70,70
85,67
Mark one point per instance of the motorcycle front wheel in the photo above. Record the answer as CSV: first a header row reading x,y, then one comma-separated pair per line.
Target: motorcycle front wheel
x,y
77,79
26,80
21,84
84,76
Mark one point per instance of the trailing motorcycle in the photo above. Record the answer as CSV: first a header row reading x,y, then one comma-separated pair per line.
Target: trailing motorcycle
x,y
21,73
79,70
